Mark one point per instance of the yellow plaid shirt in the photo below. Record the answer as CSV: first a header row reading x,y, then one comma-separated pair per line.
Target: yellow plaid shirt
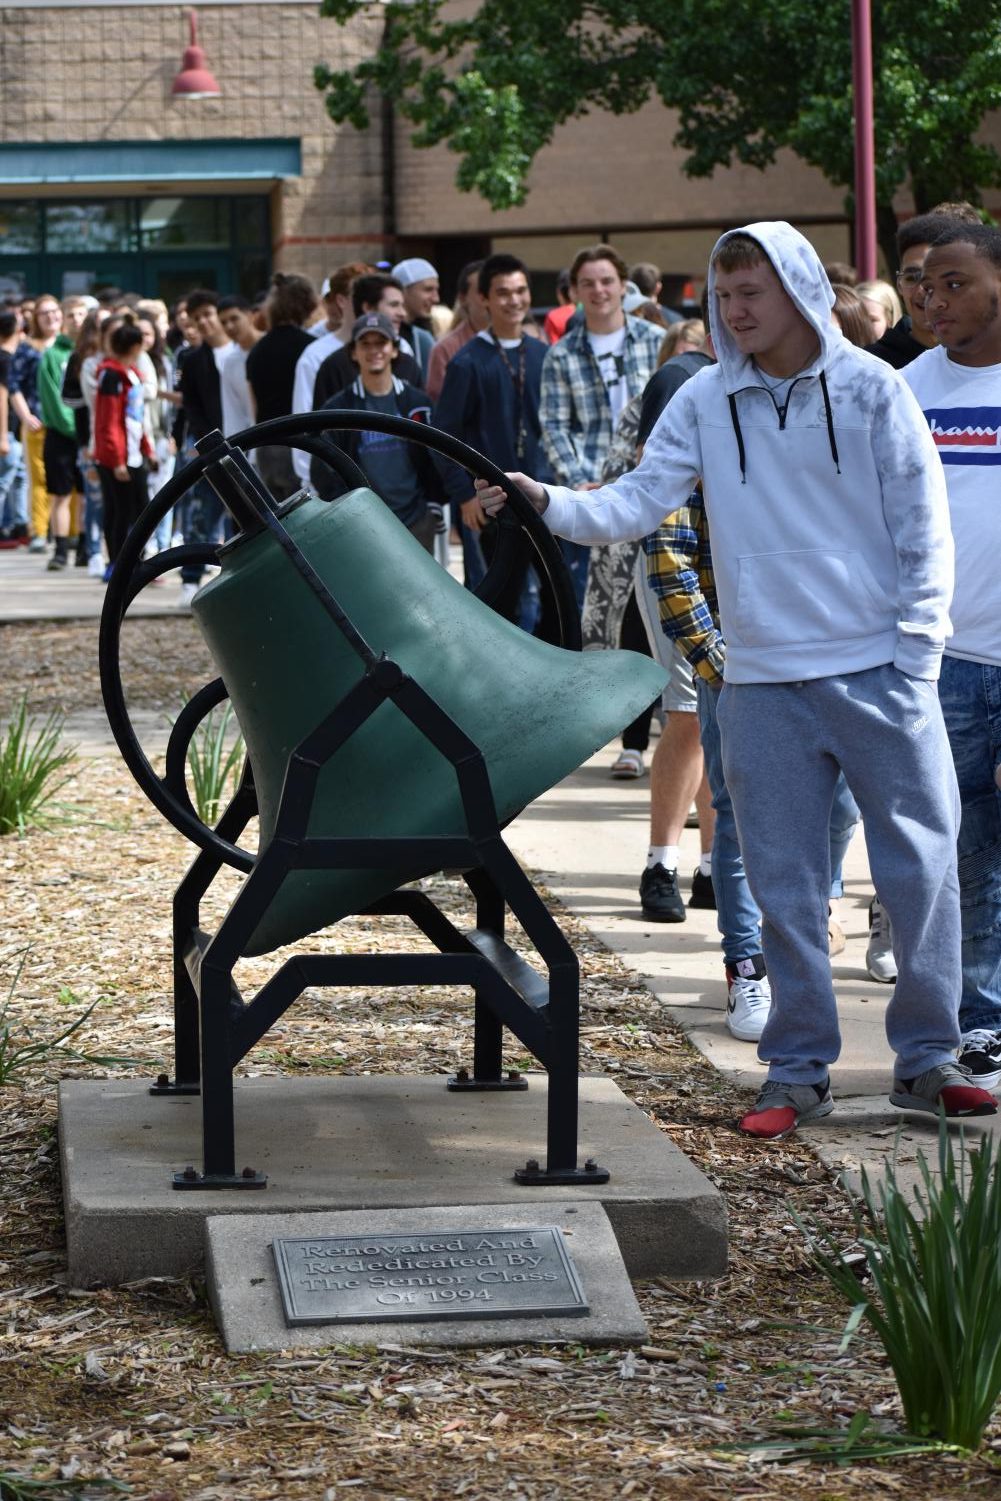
x,y
680,570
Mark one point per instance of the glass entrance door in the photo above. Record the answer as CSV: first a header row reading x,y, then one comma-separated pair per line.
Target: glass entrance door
x,y
68,274
171,276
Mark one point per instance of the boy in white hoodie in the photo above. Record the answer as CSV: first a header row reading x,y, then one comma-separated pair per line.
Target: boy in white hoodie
x,y
833,559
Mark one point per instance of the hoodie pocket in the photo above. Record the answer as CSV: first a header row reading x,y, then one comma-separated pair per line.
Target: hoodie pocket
x,y
810,595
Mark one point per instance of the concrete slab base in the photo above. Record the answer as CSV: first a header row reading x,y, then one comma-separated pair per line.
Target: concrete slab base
x,y
374,1143
243,1283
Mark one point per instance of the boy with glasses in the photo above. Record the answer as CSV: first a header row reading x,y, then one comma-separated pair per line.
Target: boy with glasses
x,y
913,335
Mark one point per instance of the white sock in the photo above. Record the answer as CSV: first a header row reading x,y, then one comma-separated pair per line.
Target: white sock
x,y
662,854
706,863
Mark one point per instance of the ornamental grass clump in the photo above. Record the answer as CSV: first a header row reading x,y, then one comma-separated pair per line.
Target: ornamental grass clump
x,y
214,764
932,1292
33,760
22,1050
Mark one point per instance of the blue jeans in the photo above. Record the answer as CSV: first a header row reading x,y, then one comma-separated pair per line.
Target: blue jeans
x,y
844,822
577,557
13,486
970,695
93,506
473,563
737,914
202,516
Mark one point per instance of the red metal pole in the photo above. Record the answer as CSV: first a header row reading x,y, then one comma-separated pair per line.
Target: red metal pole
x,y
865,144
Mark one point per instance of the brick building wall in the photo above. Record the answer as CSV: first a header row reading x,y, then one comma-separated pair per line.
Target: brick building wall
x,y
101,73
620,177
104,73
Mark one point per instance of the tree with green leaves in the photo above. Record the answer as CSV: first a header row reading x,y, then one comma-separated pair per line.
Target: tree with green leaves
x,y
746,80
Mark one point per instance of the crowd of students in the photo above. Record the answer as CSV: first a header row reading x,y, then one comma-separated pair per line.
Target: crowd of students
x,y
768,510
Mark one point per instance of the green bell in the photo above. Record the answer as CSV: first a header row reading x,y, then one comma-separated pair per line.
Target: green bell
x,y
535,711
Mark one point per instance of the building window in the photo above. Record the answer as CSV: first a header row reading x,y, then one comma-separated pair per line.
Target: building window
x,y
90,228
20,228
159,247
185,224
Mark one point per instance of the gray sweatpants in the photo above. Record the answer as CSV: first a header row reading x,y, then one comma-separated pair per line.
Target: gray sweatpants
x,y
783,744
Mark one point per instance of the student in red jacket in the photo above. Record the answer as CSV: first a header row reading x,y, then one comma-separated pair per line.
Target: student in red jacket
x,y
121,448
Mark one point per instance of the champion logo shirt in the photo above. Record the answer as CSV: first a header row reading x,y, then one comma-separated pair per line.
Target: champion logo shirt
x,y
962,406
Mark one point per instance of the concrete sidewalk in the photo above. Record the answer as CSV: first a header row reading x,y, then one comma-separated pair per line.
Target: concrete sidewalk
x,y
28,591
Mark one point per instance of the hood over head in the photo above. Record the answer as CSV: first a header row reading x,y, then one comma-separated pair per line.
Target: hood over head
x,y
801,273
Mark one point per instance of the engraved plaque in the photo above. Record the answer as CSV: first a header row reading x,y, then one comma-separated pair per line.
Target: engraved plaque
x,y
437,1275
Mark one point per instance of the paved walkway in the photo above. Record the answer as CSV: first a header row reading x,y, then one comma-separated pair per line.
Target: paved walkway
x,y
28,591
587,838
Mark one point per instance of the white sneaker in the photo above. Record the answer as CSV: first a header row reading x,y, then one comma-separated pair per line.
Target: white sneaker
x,y
628,766
748,998
879,960
188,592
177,540
95,566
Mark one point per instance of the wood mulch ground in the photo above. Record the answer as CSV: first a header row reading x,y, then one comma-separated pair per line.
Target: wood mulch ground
x,y
130,1386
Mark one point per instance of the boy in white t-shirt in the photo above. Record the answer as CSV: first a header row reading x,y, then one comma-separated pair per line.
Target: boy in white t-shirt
x,y
958,386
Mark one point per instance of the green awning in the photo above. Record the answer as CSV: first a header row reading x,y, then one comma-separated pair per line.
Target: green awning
x,y
25,164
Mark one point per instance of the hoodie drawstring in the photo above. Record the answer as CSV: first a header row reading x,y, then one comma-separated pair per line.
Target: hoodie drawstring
x,y
740,438
830,420
741,453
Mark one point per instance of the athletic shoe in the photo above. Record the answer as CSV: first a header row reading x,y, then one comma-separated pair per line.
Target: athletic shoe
x,y
659,895
835,935
780,1108
748,998
58,561
703,894
177,540
188,592
947,1086
95,566
980,1055
38,544
879,960
629,766
8,541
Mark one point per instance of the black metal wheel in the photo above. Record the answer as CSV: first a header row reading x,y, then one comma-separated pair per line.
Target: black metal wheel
x,y
519,525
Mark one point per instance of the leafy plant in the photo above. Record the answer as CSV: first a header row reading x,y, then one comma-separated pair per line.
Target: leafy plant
x,y
933,1290
861,1440
14,1487
32,758
213,766
23,1050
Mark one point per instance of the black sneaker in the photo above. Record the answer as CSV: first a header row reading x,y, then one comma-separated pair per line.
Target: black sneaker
x,y
703,894
659,895
980,1052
